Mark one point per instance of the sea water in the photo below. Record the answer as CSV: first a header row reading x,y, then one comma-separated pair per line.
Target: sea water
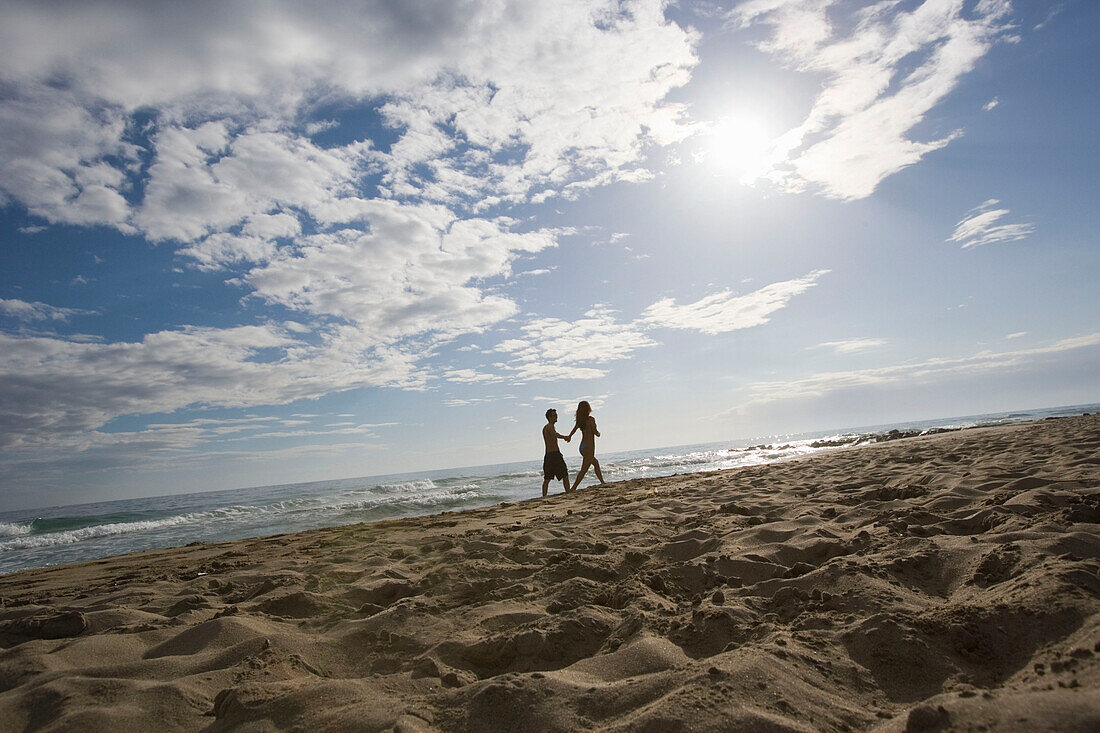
x,y
64,534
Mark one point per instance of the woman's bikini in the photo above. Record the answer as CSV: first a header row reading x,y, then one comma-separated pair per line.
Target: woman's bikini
x,y
582,446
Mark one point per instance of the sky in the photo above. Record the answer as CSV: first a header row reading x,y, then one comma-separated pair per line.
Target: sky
x,y
251,243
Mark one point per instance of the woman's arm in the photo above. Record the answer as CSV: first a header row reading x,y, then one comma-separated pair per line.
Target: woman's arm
x,y
573,431
594,429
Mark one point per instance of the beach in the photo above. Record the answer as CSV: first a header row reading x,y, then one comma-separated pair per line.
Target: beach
x,y
939,582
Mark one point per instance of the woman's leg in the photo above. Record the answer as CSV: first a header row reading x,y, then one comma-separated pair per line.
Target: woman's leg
x,y
596,466
585,463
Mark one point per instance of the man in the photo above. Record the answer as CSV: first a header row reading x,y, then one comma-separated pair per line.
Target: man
x,y
553,464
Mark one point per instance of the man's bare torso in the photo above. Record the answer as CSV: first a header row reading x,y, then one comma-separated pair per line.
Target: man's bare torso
x,y
550,437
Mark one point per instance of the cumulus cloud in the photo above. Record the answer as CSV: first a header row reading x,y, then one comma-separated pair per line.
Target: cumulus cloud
x,y
982,225
410,274
884,68
493,102
190,124
381,298
725,311
206,180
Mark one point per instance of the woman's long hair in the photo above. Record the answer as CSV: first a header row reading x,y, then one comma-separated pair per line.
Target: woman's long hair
x,y
583,411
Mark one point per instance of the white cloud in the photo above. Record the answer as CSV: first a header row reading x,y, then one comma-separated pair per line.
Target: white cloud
x,y
189,124
493,100
550,372
596,401
1016,335
312,128
380,299
884,69
1058,8
509,345
596,338
206,180
467,401
553,349
471,376
52,387
573,90
411,274
155,449
981,226
849,346
919,372
725,311
991,104
25,311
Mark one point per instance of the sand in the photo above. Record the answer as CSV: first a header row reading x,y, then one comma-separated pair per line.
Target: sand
x,y
946,582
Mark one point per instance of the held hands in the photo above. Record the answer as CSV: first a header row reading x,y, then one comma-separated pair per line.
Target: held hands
x,y
565,437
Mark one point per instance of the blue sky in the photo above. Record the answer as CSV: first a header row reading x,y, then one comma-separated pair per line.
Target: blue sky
x,y
249,243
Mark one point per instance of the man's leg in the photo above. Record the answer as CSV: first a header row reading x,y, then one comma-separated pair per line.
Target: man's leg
x,y
545,485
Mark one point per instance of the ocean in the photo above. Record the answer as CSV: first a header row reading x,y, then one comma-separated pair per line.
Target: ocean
x,y
65,534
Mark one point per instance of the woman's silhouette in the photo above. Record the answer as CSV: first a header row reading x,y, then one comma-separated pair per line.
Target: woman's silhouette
x,y
587,425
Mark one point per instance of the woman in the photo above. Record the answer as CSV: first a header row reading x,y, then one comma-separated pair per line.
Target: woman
x,y
587,425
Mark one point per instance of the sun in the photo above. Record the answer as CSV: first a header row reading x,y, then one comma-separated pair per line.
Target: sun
x,y
739,146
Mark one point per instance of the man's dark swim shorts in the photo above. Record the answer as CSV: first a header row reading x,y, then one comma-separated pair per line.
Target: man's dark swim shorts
x,y
553,466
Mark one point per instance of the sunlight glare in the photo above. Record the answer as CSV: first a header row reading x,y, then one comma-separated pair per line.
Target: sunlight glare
x,y
740,146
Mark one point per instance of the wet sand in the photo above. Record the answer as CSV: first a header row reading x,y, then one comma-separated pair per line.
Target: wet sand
x,y
944,582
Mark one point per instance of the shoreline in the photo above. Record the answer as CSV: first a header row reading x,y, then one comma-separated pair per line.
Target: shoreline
x,y
850,440
950,580
67,535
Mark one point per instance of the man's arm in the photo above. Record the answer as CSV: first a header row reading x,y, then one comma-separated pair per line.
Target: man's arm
x,y
565,437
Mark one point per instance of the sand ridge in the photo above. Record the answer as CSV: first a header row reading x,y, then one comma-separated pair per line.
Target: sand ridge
x,y
946,582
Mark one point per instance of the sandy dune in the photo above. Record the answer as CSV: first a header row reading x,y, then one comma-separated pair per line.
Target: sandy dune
x,y
947,582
